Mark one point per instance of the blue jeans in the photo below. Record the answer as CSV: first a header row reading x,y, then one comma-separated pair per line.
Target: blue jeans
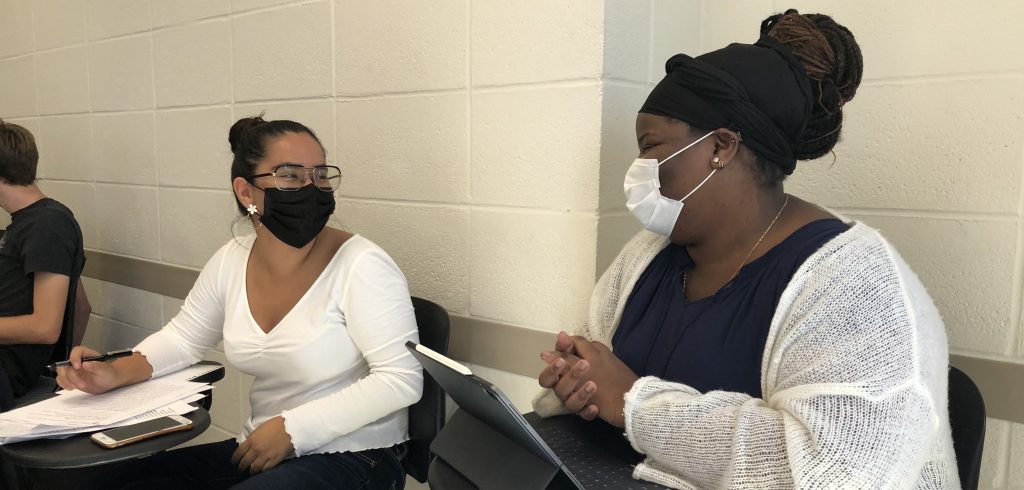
x,y
208,466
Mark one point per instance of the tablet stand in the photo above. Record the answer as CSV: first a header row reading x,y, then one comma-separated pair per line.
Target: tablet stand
x,y
490,460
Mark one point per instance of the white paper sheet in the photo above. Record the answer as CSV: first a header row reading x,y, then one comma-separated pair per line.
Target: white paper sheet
x,y
191,372
78,409
11,432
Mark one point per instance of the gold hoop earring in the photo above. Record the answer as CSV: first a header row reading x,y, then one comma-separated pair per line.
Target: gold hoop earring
x,y
717,163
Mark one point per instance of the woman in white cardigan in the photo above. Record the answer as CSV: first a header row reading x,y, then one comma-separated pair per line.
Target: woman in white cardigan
x,y
749,339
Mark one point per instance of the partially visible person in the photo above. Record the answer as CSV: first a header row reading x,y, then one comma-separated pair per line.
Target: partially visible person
x,y
318,316
41,258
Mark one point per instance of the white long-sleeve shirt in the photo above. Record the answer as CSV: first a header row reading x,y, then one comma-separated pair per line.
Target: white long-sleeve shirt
x,y
854,383
335,367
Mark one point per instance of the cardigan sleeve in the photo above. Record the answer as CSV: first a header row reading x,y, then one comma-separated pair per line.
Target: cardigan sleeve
x,y
848,402
380,319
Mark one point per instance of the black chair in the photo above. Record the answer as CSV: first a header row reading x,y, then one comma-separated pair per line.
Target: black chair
x,y
967,420
427,416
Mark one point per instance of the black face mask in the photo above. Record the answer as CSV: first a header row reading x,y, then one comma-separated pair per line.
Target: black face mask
x,y
296,217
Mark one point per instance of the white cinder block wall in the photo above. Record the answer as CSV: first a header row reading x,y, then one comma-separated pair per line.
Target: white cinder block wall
x,y
470,132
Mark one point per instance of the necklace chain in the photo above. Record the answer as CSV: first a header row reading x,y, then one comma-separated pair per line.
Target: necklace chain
x,y
759,240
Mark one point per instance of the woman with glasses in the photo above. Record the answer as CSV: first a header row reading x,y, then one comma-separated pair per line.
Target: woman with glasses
x,y
318,316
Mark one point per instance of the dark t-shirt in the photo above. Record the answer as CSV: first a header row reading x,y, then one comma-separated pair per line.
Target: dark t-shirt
x,y
42,237
717,342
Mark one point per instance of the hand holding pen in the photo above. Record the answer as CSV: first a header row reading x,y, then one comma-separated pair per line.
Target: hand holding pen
x,y
109,356
86,371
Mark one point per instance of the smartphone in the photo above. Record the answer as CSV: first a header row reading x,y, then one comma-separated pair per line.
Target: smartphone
x,y
143,430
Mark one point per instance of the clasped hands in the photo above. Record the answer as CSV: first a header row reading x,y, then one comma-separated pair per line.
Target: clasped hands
x,y
587,378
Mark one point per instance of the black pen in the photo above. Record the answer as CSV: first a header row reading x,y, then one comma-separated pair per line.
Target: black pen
x,y
100,358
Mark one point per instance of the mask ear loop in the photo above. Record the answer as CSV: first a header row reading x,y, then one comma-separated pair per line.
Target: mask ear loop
x,y
699,185
687,147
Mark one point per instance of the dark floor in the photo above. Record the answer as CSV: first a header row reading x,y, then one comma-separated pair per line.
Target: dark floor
x,y
34,479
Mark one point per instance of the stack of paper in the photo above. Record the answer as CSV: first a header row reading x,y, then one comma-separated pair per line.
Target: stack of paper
x,y
73,412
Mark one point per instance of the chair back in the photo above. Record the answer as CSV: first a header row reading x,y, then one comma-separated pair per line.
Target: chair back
x,y
62,349
967,420
427,416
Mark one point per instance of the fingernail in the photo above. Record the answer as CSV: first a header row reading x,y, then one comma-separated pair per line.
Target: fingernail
x,y
584,365
590,387
560,363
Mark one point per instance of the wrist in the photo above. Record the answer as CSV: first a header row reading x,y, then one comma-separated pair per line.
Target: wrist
x,y
131,370
618,416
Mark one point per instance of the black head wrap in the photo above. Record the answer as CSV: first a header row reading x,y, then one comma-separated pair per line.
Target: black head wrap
x,y
760,90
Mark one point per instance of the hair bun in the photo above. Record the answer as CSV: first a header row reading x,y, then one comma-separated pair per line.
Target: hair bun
x,y
240,127
832,59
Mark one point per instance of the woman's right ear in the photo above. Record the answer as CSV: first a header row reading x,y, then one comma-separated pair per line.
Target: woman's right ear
x,y
243,191
727,145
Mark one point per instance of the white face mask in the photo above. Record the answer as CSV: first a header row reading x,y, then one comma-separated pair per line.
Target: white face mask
x,y
657,212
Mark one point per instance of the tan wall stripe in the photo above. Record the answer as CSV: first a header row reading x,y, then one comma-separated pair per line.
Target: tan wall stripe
x,y
505,347
163,279
515,349
1000,385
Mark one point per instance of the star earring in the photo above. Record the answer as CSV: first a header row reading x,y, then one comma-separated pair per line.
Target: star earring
x,y
253,212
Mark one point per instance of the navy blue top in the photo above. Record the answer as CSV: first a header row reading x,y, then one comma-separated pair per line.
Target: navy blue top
x,y
714,343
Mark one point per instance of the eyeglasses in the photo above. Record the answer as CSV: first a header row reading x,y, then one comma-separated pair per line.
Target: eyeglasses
x,y
292,177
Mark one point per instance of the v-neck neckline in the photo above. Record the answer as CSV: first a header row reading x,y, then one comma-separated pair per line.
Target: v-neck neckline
x,y
312,286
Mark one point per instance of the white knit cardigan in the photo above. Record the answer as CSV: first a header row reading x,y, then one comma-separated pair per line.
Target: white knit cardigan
x,y
854,383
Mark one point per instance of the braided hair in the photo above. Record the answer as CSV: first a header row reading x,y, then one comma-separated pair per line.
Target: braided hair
x,y
832,59
833,62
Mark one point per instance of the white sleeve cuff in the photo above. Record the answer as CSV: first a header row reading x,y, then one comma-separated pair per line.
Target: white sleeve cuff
x,y
163,355
635,399
546,404
298,430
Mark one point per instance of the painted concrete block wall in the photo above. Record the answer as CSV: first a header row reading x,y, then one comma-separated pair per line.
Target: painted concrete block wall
x,y
469,134
639,37
473,155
